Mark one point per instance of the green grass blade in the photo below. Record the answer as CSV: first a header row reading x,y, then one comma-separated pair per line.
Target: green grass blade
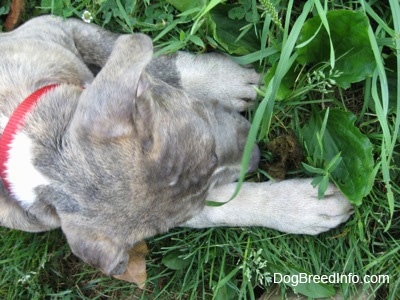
x,y
395,7
381,102
202,13
255,56
265,109
325,23
124,15
368,9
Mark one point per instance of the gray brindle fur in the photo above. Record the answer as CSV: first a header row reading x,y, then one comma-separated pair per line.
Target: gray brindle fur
x,y
134,150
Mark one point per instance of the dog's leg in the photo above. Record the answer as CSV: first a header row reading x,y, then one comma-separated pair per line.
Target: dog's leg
x,y
209,76
93,42
14,217
290,206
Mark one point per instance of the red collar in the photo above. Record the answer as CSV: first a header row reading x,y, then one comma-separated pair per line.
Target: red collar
x,y
15,122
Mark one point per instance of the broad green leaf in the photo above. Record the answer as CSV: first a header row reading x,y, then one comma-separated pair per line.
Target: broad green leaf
x,y
224,288
286,86
225,292
184,5
197,41
55,6
237,13
4,9
226,32
354,174
301,281
349,36
317,180
313,288
323,186
175,261
313,170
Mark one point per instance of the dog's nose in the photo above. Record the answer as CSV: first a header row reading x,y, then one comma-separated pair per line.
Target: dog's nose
x,y
255,159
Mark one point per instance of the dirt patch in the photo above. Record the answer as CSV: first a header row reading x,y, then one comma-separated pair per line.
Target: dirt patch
x,y
287,155
353,98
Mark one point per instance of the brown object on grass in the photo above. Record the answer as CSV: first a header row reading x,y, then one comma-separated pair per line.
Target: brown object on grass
x,y
14,16
136,270
287,154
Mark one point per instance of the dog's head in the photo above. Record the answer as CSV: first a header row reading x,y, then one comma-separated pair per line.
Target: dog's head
x,y
139,157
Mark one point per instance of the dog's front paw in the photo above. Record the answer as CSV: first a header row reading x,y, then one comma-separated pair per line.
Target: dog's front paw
x,y
303,213
215,76
235,84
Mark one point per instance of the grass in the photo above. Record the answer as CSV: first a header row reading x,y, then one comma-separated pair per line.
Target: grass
x,y
238,263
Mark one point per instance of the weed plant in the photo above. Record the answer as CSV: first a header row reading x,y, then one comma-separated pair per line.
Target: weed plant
x,y
323,82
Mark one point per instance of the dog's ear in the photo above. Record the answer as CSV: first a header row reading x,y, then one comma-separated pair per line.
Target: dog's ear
x,y
107,106
97,249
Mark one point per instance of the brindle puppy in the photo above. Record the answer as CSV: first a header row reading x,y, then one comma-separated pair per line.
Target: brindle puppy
x,y
135,150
